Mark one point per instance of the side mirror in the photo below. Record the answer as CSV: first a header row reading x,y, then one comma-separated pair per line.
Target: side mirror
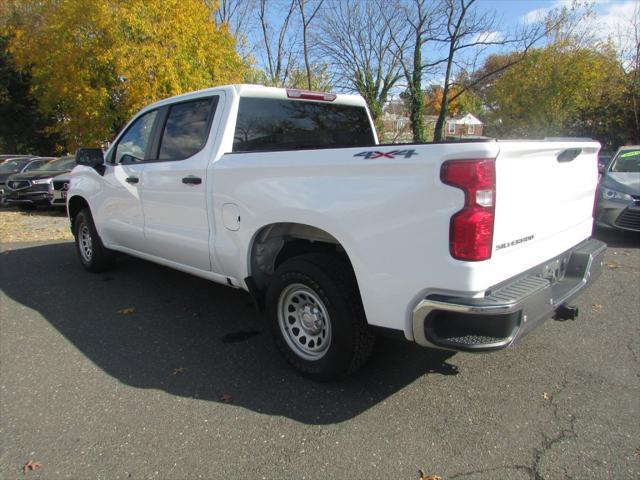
x,y
601,168
90,157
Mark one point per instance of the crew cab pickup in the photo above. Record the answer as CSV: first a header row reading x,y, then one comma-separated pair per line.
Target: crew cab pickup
x,y
288,195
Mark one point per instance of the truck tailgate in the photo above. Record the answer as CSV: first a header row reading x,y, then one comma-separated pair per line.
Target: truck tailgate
x,y
545,194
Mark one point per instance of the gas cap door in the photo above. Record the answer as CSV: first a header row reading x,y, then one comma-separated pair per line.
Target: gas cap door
x,y
231,216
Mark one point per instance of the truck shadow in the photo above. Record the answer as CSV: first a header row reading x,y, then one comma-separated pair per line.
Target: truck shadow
x,y
617,238
153,327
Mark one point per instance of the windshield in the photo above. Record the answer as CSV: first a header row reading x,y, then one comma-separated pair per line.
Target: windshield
x,y
59,165
13,165
627,161
36,165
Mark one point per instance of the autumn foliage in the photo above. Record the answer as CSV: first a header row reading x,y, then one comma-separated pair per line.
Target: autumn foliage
x,y
572,91
95,62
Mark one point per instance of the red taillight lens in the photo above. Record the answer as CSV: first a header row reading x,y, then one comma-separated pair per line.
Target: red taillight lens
x,y
471,229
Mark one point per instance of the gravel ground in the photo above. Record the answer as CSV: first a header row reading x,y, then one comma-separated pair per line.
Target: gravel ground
x,y
146,372
30,226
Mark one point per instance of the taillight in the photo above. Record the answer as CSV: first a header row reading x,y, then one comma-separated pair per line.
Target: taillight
x,y
308,95
471,229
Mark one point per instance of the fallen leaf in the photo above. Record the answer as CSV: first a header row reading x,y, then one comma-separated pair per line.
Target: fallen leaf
x,y
178,371
546,396
637,452
30,465
424,476
597,307
226,398
126,311
612,266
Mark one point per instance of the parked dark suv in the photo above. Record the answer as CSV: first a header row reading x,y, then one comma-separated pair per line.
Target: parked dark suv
x,y
30,189
18,164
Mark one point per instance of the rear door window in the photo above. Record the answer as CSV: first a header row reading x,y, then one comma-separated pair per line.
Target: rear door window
x,y
275,124
186,128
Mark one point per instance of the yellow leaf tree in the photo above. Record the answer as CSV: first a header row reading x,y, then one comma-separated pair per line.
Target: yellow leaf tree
x,y
562,91
95,62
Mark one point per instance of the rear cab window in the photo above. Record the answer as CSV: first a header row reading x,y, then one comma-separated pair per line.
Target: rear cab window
x,y
186,128
267,124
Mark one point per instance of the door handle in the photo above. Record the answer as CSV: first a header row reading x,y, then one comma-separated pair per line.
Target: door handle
x,y
191,180
132,180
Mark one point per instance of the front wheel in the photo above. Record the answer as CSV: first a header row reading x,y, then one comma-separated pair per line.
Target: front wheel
x,y
93,254
316,316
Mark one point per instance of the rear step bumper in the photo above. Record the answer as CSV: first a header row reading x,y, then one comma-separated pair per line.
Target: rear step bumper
x,y
510,310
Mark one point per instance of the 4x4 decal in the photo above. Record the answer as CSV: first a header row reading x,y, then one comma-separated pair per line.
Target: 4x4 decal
x,y
370,155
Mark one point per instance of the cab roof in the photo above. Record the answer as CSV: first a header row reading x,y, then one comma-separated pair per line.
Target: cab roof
x,y
250,90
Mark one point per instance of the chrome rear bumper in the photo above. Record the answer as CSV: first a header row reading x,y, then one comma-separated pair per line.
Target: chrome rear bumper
x,y
510,310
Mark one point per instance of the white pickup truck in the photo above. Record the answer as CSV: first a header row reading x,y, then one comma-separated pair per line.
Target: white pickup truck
x,y
288,195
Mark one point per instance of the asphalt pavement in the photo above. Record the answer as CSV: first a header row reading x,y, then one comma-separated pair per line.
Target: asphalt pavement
x,y
146,372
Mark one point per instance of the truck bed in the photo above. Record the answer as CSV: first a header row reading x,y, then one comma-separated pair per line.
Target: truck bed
x,y
388,207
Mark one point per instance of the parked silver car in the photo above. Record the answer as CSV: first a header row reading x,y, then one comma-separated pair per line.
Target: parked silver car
x,y
618,202
58,190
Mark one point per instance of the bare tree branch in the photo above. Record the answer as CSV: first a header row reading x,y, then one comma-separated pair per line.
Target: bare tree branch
x,y
357,41
279,55
412,25
306,21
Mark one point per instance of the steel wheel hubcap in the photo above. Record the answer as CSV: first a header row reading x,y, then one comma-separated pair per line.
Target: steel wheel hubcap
x,y
304,321
86,244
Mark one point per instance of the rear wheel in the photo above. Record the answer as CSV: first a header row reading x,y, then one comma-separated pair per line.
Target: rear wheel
x,y
92,253
316,316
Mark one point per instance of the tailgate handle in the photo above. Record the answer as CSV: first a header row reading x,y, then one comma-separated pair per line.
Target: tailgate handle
x,y
568,155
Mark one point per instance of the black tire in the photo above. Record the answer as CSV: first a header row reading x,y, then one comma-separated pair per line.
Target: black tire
x,y
96,258
332,282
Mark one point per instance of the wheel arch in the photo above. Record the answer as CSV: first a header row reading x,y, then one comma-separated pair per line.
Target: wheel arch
x,y
274,243
75,205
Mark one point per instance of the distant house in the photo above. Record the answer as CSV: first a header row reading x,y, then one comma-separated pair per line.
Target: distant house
x,y
467,126
397,126
395,120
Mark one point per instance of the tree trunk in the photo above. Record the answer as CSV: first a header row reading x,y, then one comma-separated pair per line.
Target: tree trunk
x,y
375,109
417,97
437,131
444,105
306,55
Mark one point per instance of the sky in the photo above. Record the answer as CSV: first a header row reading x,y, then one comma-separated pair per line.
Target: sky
x,y
518,11
611,15
610,18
